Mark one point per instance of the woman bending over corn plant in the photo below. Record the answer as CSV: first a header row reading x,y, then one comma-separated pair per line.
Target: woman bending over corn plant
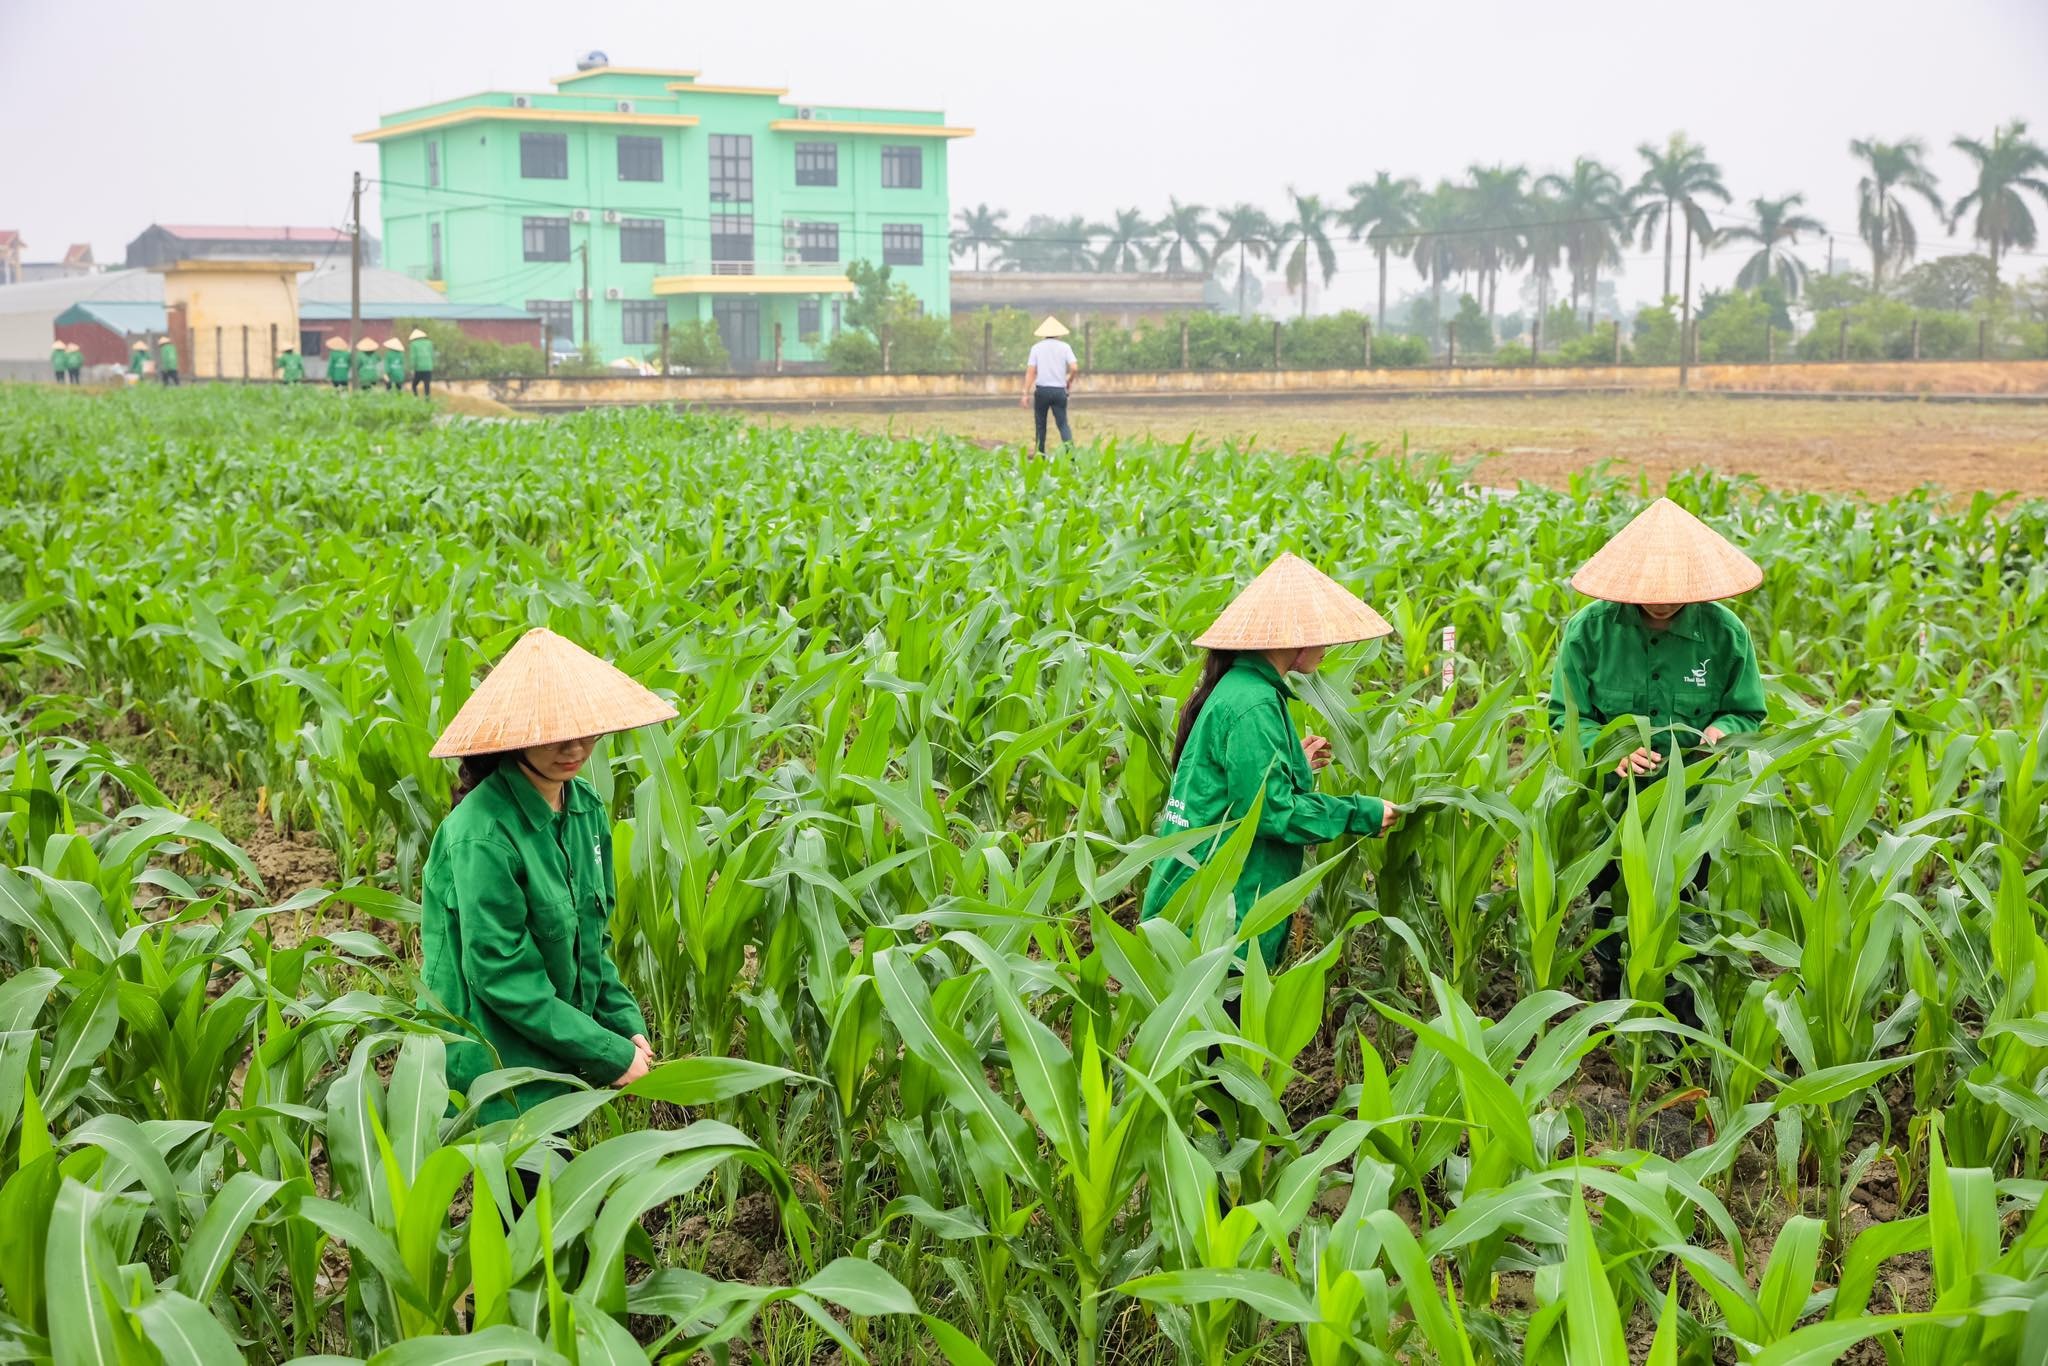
x,y
1236,739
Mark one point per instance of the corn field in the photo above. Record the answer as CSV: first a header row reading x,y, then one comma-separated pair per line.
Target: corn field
x,y
877,897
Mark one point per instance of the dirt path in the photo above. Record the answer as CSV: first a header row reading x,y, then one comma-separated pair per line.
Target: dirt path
x,y
1874,447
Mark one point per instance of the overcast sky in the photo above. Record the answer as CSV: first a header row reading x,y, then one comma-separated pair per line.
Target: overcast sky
x,y
120,113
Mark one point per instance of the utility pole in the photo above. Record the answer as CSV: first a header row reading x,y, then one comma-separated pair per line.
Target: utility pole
x,y
1685,309
355,276
583,249
1831,253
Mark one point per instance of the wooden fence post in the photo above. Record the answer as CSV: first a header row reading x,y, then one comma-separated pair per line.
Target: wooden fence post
x,y
1536,340
1183,343
1451,345
1088,344
664,348
1983,337
1616,325
1916,339
245,353
1276,343
220,367
988,344
885,355
1842,341
1770,343
1366,328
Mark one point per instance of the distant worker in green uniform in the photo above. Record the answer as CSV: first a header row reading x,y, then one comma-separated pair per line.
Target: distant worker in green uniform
x,y
1661,647
138,361
74,361
166,361
422,356
519,883
60,362
394,365
290,366
337,362
1236,738
363,365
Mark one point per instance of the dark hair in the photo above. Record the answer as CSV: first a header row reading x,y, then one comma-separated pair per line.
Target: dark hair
x,y
1213,668
475,768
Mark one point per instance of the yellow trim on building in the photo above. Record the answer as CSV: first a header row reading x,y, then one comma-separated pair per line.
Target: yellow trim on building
x,y
692,87
221,265
752,284
624,71
894,130
483,113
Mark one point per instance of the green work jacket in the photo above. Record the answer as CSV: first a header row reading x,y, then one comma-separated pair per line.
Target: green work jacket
x,y
337,366
423,353
394,366
364,367
293,366
513,936
1697,671
167,356
1244,741
60,360
136,360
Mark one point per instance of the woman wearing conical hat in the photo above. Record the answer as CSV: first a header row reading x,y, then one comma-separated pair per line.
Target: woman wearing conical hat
x,y
1049,379
1658,645
1236,738
337,362
363,364
394,364
519,883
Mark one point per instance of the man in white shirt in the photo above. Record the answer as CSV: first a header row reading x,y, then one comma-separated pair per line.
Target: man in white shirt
x,y
1048,377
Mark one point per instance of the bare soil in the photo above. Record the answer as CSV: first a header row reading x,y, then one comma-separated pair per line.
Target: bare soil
x,y
1876,447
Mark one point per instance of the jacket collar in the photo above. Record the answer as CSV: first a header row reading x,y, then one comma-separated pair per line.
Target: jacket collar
x,y
1689,621
1260,665
532,807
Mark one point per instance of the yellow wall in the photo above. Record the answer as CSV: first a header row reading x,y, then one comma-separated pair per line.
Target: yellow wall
x,y
221,299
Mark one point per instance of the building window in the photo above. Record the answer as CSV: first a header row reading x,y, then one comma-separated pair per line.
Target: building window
x,y
640,321
807,315
835,317
732,242
433,165
902,244
817,241
433,251
817,163
903,168
558,316
732,168
544,156
639,158
642,239
739,327
547,239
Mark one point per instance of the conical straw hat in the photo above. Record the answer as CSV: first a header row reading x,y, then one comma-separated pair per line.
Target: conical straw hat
x,y
336,344
546,690
1051,327
367,344
394,345
1667,555
138,346
416,335
1290,606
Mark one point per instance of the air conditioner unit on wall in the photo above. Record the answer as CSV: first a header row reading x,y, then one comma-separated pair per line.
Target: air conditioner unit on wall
x,y
611,215
792,258
614,294
790,241
579,215
804,111
522,101
625,106
581,295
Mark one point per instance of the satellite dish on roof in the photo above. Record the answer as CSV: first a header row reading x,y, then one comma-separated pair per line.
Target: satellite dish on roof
x,y
591,60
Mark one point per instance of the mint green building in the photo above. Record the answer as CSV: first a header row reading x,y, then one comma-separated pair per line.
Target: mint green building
x,y
676,200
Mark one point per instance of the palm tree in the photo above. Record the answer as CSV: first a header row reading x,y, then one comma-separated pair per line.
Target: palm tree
x,y
1776,228
1130,245
1435,244
1594,210
1498,203
1881,215
1045,243
1544,241
1308,232
1246,228
1383,211
1186,227
980,226
2009,164
1674,181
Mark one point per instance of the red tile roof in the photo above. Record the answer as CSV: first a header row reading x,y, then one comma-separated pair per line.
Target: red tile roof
x,y
78,254
10,237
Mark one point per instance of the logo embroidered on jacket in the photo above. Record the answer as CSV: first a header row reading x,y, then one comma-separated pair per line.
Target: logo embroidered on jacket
x,y
1698,677
1174,807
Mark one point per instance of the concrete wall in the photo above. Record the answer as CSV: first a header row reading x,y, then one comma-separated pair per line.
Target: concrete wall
x,y
231,311
1902,377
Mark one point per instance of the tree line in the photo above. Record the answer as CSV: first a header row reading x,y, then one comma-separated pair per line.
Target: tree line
x,y
1576,222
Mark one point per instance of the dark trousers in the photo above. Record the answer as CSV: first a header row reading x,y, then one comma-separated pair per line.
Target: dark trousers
x,y
168,377
1050,398
423,377
1605,887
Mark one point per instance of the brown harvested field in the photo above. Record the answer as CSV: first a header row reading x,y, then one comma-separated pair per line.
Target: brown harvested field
x,y
1875,447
